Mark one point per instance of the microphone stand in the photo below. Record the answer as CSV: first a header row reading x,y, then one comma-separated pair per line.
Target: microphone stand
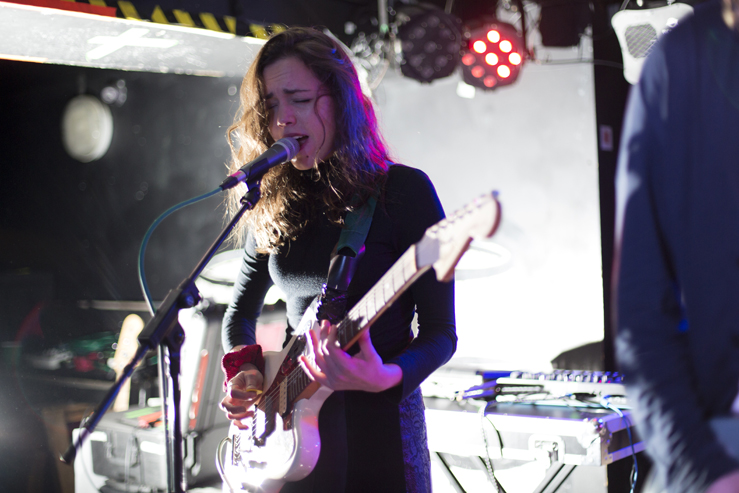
x,y
164,331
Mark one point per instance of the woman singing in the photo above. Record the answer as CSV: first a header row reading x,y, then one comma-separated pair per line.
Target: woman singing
x,y
373,438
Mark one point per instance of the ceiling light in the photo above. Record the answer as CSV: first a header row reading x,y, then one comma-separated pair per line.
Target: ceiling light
x,y
430,41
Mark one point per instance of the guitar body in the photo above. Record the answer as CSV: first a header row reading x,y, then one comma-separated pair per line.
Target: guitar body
x,y
291,450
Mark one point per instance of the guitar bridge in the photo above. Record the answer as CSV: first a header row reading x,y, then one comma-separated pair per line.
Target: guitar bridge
x,y
236,449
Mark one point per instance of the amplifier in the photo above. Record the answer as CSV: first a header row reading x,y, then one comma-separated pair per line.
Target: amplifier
x,y
127,450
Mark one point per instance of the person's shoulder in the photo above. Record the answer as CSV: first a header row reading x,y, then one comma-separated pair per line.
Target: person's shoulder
x,y
400,175
407,185
705,16
410,200
710,10
675,57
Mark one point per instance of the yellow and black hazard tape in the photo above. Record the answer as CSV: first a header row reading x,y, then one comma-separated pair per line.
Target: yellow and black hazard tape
x,y
203,20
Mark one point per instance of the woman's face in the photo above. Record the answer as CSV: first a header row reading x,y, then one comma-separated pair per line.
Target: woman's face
x,y
299,106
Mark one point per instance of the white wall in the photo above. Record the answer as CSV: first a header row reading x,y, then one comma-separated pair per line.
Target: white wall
x,y
534,142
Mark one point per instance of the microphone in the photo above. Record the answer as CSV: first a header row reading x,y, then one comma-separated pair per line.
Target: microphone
x,y
281,151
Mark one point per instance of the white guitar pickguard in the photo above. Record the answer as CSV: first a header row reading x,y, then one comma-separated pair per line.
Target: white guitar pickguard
x,y
288,454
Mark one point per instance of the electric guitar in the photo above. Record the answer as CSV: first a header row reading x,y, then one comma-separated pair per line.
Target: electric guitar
x,y
282,443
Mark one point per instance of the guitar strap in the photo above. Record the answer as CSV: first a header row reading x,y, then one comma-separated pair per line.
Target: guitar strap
x,y
349,251
356,226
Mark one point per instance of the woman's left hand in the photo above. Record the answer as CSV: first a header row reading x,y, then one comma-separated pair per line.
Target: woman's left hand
x,y
336,369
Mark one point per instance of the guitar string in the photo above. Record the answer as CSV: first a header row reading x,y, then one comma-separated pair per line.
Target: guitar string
x,y
397,272
403,262
297,377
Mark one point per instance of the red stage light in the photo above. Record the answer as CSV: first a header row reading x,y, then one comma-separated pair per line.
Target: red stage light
x,y
468,59
479,46
493,56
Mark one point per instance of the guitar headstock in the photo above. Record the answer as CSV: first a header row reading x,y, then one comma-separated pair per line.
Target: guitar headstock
x,y
444,243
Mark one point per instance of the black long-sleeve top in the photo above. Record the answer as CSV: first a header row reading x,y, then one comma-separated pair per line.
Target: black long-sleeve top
x,y
407,207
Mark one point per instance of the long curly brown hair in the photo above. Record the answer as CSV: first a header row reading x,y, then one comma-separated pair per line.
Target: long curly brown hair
x,y
355,170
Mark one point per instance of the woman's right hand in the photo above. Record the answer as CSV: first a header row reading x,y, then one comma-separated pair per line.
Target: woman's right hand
x,y
242,393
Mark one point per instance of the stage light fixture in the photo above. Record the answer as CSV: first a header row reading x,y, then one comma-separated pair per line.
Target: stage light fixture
x,y
493,56
430,41
638,30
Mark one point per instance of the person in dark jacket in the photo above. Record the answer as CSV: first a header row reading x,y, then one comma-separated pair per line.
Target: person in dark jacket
x,y
677,250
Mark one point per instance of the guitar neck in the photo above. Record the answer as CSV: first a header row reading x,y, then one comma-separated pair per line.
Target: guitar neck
x,y
441,247
378,299
373,304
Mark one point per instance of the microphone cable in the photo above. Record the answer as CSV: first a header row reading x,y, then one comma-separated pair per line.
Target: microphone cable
x,y
147,236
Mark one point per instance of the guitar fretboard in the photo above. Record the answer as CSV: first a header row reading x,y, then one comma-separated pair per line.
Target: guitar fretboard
x,y
378,299
373,304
